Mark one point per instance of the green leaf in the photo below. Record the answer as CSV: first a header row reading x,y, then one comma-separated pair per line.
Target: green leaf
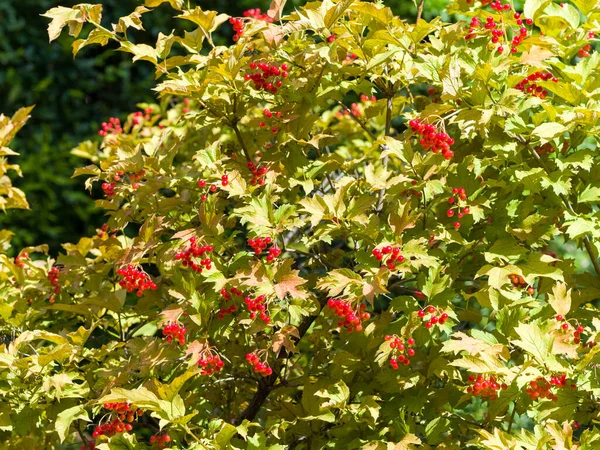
x,y
549,130
66,417
533,8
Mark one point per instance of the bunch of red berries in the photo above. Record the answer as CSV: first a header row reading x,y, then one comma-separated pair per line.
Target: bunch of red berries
x,y
390,254
210,363
584,52
161,440
357,109
577,330
139,116
267,77
485,387
124,410
258,173
213,187
109,188
461,195
401,350
268,114
541,388
19,260
518,282
258,306
125,413
351,57
257,15
497,30
227,296
135,279
432,139
238,27
529,86
352,317
545,149
261,367
259,244
174,331
113,126
434,319
111,428
188,256
103,230
53,275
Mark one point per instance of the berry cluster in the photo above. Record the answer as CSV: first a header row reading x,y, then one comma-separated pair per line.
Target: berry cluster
x,y
135,279
161,440
401,350
266,76
257,15
111,428
109,188
584,52
497,30
134,178
434,319
19,260
258,305
261,367
139,116
544,149
258,173
113,126
194,251
529,86
432,139
175,332
268,116
125,413
390,254
352,317
577,330
356,109
518,282
227,296
458,194
259,244
53,275
485,387
213,187
541,388
238,27
210,363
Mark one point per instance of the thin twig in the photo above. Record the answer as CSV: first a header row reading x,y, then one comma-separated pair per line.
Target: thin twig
x,y
420,10
512,417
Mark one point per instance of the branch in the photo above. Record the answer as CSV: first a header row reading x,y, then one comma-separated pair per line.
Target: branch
x,y
420,10
267,384
241,141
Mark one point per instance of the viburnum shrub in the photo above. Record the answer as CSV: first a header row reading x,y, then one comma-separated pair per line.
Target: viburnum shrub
x,y
353,229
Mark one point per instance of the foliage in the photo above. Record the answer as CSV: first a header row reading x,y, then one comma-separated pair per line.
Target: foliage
x,y
336,232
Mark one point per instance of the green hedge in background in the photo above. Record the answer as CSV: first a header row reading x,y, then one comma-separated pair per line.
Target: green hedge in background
x,y
73,97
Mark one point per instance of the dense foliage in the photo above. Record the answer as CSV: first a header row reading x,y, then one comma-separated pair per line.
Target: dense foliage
x,y
339,231
72,98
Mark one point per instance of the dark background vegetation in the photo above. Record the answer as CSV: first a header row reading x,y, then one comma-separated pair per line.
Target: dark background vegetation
x,y
73,96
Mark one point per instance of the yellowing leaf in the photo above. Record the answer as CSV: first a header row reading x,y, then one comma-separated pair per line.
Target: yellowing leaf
x,y
560,299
